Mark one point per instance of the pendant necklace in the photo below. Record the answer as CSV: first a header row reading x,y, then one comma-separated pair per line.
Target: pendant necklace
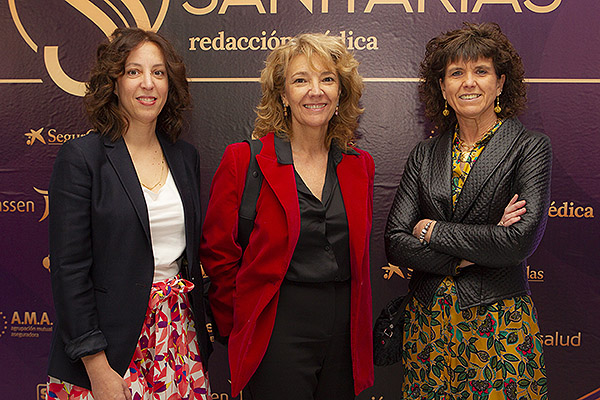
x,y
160,177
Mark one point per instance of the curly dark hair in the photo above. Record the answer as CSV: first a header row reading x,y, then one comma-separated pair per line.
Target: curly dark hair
x,y
470,43
102,104
332,51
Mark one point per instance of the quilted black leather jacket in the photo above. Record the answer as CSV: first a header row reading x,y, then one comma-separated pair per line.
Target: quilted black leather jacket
x,y
515,160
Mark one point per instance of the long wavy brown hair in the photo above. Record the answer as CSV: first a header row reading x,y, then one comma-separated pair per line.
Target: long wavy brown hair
x,y
470,43
333,53
101,102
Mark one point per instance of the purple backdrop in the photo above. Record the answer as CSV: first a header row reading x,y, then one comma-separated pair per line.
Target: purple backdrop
x,y
47,49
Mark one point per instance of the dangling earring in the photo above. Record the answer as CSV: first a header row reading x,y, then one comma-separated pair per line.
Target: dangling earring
x,y
497,109
284,110
337,109
446,112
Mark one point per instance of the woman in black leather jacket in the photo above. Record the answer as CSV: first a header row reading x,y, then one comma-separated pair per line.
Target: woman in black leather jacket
x,y
471,207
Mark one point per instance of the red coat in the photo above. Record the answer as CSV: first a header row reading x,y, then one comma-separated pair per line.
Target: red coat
x,y
244,295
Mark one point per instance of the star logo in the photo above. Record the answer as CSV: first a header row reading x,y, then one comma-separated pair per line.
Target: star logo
x,y
391,270
34,135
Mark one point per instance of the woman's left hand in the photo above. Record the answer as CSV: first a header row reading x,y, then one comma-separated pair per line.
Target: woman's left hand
x,y
513,211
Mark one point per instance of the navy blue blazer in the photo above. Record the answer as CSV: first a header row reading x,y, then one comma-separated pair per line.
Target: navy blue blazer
x,y
101,258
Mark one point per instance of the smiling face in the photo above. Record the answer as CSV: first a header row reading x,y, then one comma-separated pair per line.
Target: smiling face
x,y
144,86
471,87
312,93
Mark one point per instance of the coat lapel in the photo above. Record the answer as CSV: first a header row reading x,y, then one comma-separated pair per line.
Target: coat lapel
x,y
491,157
119,158
281,180
440,178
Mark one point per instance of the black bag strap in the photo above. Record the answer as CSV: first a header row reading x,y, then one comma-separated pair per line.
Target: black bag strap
x,y
247,212
404,303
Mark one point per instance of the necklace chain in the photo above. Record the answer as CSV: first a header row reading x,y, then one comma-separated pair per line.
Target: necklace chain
x,y
466,150
160,177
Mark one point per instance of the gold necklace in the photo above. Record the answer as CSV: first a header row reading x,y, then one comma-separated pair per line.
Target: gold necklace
x,y
465,154
160,177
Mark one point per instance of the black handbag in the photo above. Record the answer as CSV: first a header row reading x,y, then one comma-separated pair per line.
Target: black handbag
x,y
388,331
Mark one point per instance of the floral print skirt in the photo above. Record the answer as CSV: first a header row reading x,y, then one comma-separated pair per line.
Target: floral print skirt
x,y
166,364
489,352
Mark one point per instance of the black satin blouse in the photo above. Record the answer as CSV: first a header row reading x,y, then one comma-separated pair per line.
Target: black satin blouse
x,y
322,253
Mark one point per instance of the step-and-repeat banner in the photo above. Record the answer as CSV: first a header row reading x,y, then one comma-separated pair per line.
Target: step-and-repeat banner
x,y
47,49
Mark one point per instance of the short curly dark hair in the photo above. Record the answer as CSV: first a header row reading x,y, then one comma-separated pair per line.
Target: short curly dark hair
x,y
102,104
470,43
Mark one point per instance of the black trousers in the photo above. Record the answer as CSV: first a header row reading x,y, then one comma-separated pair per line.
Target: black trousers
x,y
308,357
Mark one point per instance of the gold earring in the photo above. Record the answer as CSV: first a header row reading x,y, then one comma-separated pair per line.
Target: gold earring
x,y
337,108
446,112
284,110
497,109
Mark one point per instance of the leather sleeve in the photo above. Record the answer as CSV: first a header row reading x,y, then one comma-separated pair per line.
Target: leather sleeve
x,y
497,246
71,253
220,252
401,247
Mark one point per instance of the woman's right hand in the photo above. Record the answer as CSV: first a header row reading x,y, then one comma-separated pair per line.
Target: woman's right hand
x,y
107,384
513,211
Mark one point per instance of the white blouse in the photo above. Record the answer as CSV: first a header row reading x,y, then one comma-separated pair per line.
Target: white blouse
x,y
167,228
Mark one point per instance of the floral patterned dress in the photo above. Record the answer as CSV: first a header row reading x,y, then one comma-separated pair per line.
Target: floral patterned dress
x,y
488,352
166,364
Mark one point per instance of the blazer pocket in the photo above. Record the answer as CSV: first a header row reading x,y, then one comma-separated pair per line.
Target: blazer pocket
x,y
100,289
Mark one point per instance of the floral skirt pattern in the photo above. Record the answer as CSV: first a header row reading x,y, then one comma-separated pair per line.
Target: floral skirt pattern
x,y
166,364
489,352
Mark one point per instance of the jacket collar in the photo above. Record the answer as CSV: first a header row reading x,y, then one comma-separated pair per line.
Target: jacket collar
x,y
119,157
283,151
492,156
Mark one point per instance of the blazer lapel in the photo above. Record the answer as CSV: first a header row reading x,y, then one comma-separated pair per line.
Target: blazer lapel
x,y
440,178
182,181
491,157
281,180
119,158
354,185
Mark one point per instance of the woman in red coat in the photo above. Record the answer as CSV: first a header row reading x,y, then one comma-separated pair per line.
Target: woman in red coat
x,y
296,303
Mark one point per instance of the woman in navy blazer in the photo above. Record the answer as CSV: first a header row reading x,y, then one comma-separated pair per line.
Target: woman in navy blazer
x,y
296,304
125,224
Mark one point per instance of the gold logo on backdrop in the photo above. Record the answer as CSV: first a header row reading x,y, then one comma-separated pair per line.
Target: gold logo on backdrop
x,y
34,135
30,324
46,207
46,263
25,206
50,137
351,6
3,324
41,391
568,209
557,339
535,275
92,12
391,270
